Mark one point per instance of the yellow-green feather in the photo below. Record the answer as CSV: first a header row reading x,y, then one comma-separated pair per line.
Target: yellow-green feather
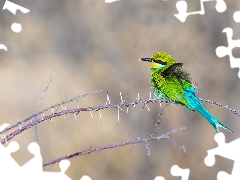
x,y
170,89
172,84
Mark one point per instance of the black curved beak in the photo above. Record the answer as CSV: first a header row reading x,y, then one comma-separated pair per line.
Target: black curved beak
x,y
146,59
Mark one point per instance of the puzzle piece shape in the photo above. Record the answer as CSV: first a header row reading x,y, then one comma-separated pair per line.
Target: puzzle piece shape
x,y
236,16
228,150
182,9
33,169
14,7
2,46
159,178
17,28
8,5
177,171
111,1
35,166
85,178
222,51
5,156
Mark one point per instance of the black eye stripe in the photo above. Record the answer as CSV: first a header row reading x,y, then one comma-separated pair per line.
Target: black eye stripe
x,y
160,62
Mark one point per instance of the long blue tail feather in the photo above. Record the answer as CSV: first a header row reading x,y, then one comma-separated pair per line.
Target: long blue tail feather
x,y
195,103
211,119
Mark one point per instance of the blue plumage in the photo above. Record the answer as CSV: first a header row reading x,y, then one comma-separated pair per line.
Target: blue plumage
x,y
172,84
196,104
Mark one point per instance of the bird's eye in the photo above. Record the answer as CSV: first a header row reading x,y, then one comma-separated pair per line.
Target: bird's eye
x,y
161,62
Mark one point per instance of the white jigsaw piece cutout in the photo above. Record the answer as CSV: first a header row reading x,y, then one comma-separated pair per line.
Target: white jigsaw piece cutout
x,y
159,178
33,169
222,51
177,171
14,7
228,150
236,16
2,46
182,9
111,1
16,27
85,178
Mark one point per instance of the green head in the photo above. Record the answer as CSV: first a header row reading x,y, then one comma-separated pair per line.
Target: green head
x,y
160,61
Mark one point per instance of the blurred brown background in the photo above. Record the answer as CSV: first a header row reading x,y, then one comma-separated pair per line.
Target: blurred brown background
x,y
93,45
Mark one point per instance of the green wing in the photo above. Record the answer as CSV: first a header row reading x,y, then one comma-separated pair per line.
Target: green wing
x,y
176,82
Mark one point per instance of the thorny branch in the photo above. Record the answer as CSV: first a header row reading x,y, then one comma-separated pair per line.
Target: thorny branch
x,y
51,107
74,112
98,108
115,145
221,105
78,110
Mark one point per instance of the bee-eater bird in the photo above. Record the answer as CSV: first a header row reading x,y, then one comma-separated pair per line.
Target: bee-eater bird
x,y
171,84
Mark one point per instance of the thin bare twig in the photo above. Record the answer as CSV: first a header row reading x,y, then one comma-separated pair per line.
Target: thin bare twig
x,y
97,149
38,104
54,106
221,105
159,119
